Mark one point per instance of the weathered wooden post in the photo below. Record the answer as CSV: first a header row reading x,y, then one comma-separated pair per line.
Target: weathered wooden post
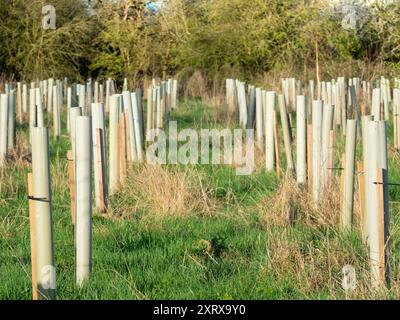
x,y
301,140
46,274
83,199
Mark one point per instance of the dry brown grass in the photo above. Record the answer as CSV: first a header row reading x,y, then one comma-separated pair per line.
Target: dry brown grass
x,y
11,174
196,86
291,204
20,156
316,261
163,192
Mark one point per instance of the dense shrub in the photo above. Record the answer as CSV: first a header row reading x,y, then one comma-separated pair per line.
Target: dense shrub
x,y
225,37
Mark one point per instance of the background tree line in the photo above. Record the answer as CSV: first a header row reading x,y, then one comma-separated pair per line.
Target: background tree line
x,y
238,38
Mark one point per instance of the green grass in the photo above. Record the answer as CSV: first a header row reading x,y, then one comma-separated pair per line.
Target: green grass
x,y
232,253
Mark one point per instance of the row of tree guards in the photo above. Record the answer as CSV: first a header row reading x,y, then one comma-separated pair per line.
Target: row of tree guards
x,y
86,107
321,113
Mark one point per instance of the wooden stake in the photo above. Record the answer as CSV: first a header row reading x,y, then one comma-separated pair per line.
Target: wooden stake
x,y
381,226
32,236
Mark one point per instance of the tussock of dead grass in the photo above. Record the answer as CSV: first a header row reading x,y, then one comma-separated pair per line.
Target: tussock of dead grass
x,y
315,262
196,86
292,203
17,159
164,191
20,156
314,259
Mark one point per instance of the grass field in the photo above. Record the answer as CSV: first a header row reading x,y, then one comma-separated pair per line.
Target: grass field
x,y
192,232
